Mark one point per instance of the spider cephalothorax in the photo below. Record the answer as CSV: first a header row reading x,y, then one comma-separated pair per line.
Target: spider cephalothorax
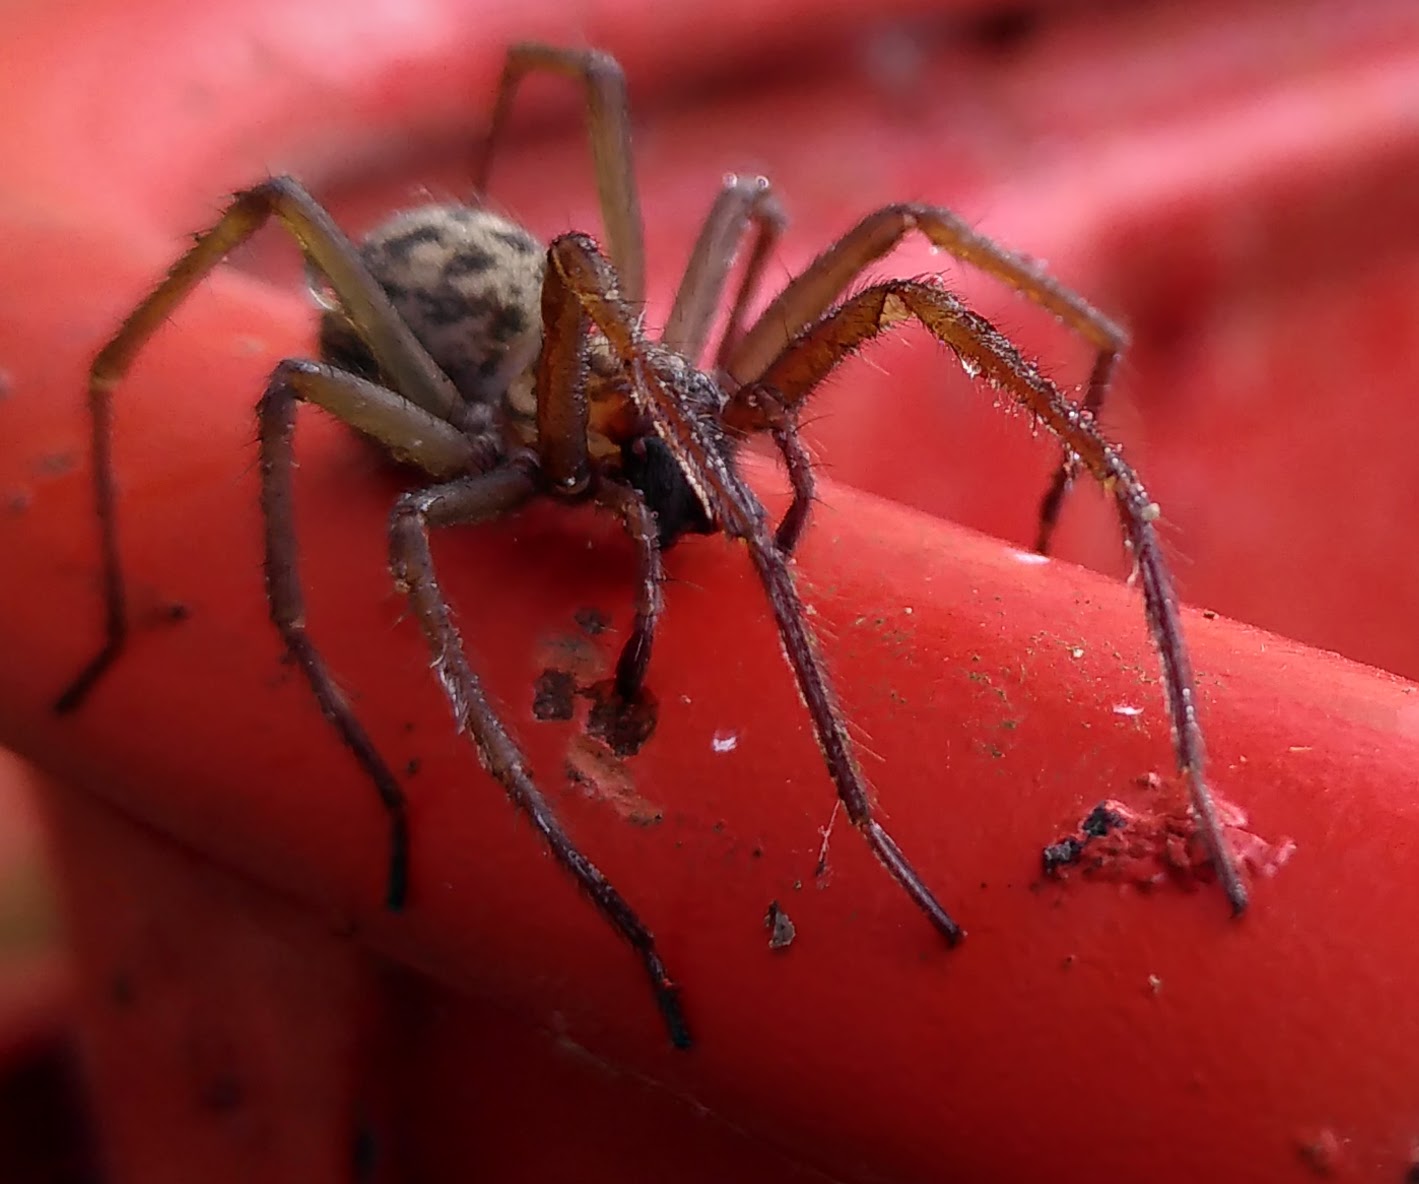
x,y
505,370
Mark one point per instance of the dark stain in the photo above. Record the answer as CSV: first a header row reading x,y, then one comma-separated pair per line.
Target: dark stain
x,y
623,726
411,766
55,464
1006,30
592,621
120,990
222,1093
364,1154
552,695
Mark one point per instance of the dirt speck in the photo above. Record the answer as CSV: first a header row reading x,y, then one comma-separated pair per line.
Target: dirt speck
x,y
591,621
781,930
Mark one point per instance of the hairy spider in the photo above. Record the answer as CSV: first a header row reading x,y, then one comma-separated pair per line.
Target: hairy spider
x,y
505,371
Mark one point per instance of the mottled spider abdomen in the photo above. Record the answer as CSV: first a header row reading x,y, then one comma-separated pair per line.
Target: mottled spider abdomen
x,y
468,283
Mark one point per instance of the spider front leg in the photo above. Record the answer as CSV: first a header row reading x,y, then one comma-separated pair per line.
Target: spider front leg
x,y
326,248
474,500
608,120
798,369
418,438
703,457
741,201
814,290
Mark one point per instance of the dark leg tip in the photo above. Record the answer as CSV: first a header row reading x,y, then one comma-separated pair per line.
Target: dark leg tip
x,y
78,690
1237,896
668,996
396,893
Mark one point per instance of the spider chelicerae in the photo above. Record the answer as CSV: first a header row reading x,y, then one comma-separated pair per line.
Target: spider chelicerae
x,y
505,371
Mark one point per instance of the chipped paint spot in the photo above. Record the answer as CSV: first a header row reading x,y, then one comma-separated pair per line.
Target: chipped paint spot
x,y
595,768
1030,558
1125,709
1158,844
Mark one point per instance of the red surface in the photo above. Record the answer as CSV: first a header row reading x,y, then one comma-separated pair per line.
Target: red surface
x,y
250,1021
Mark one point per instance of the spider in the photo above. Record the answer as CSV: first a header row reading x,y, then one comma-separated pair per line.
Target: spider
x,y
505,371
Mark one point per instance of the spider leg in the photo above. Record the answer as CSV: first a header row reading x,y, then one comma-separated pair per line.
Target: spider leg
x,y
814,291
327,249
473,500
733,506
640,524
385,415
609,127
807,360
782,425
740,201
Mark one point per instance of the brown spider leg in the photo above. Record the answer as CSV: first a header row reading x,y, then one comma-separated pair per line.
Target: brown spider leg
x,y
384,415
1063,479
640,524
807,360
608,120
741,200
782,425
815,289
325,246
473,500
734,507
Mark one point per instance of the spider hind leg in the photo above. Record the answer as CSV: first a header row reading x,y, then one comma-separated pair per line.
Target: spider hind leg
x,y
809,357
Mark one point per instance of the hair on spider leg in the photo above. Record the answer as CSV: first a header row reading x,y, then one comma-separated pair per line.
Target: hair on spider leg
x,y
504,370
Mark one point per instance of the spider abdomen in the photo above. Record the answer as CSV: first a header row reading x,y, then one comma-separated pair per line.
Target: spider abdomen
x,y
468,283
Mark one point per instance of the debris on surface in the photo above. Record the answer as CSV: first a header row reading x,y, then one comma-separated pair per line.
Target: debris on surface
x,y
781,930
552,695
1157,844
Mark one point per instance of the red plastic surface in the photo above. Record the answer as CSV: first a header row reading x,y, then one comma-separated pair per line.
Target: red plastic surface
x,y
250,1022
